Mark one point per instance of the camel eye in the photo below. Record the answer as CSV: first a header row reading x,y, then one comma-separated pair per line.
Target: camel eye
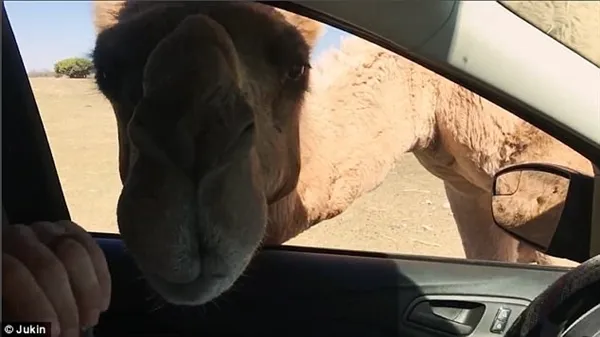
x,y
296,72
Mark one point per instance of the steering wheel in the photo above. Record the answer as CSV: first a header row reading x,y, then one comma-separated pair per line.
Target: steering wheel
x,y
562,303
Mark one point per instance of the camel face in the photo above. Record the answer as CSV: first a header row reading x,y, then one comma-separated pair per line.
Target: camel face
x,y
207,99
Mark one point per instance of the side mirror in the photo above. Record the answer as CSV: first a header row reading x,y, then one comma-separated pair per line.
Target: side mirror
x,y
546,206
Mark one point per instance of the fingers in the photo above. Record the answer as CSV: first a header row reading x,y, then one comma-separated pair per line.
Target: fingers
x,y
79,267
71,275
31,305
97,256
84,282
21,242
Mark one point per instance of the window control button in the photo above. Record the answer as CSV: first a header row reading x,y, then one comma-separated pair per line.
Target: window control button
x,y
503,314
498,327
500,320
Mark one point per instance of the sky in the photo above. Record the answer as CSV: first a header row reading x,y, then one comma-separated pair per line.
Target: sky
x,y
49,31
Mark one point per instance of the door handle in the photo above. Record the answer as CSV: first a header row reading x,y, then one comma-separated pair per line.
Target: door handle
x,y
454,317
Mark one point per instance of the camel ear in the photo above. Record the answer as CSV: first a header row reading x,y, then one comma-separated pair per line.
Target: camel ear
x,y
106,14
310,29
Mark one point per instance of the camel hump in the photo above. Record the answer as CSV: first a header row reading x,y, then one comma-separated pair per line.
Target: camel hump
x,y
106,14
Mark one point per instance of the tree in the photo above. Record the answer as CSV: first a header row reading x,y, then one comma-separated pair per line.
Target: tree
x,y
74,67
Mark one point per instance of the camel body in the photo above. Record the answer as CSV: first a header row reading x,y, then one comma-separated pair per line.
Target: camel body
x,y
369,106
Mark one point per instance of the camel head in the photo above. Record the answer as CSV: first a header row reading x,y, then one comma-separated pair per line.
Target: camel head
x,y
207,98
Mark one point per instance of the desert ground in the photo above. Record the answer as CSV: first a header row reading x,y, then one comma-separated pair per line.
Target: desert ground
x,y
407,214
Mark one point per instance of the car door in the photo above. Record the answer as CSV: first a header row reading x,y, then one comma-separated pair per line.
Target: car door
x,y
287,290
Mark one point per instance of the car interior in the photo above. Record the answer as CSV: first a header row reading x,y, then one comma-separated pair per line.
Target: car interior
x,y
294,291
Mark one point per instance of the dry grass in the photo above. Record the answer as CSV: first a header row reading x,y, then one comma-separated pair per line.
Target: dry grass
x,y
82,133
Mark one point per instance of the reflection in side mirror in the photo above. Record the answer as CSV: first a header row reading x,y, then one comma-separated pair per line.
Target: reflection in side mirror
x,y
529,203
546,206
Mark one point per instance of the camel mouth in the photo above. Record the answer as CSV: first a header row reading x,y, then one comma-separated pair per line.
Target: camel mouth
x,y
188,237
185,265
198,291
186,259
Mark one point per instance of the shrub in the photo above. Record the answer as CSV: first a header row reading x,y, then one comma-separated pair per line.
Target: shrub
x,y
74,67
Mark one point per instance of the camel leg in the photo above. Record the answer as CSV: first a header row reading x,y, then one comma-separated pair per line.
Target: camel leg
x,y
528,254
481,238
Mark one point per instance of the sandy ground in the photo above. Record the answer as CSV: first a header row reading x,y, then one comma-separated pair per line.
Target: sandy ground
x,y
407,214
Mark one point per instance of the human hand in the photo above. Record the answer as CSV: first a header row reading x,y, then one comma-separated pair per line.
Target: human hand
x,y
53,272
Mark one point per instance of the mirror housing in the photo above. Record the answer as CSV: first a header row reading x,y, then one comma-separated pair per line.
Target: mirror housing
x,y
547,206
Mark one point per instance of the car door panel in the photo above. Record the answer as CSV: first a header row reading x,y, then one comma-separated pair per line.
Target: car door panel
x,y
293,291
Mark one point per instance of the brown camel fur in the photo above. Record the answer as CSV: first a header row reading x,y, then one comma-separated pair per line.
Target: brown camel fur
x,y
207,99
378,106
398,106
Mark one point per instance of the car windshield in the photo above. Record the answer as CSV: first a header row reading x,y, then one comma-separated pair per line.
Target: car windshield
x,y
577,27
